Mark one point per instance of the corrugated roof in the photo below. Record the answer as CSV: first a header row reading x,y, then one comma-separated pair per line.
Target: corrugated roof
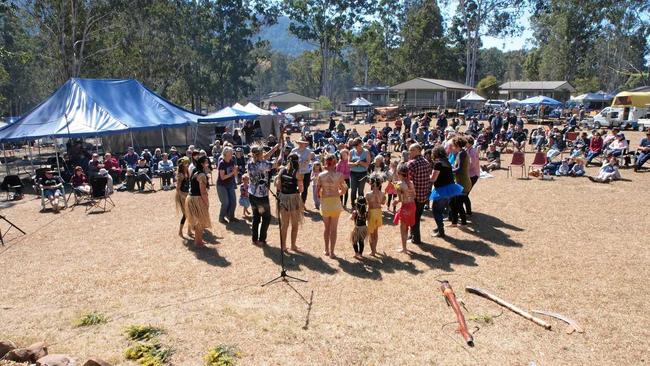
x,y
288,97
537,85
431,84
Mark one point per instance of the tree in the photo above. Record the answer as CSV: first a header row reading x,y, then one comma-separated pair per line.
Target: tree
x,y
492,61
488,87
304,74
327,23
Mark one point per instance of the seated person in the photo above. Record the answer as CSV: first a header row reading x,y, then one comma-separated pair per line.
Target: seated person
x,y
643,152
580,144
142,174
608,172
493,159
501,140
112,166
79,181
94,165
131,158
595,147
51,188
519,138
155,159
166,171
617,146
538,138
483,140
578,168
330,148
558,145
109,181
146,154
564,168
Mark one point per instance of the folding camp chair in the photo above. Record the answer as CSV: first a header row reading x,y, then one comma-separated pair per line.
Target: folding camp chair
x,y
98,196
518,160
539,161
11,182
61,188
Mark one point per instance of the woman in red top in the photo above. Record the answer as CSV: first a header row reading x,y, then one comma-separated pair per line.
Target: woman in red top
x,y
113,166
79,181
595,147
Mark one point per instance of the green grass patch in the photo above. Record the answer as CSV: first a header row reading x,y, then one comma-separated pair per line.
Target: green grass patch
x,y
148,354
143,332
222,355
92,318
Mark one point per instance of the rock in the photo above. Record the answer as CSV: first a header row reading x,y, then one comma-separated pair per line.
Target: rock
x,y
96,362
5,347
29,354
55,360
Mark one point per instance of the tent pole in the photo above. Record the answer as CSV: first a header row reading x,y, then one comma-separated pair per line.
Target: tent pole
x,y
4,152
196,132
162,134
131,134
31,159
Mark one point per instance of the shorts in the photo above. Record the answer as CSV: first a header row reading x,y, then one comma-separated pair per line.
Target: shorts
x,y
51,193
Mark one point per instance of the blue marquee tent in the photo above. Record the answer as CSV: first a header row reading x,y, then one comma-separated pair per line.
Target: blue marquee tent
x,y
227,114
97,107
540,100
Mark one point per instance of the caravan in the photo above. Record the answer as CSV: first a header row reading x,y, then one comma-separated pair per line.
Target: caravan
x,y
626,110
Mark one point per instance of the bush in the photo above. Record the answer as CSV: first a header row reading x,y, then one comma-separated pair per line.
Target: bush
x,y
221,355
143,332
93,318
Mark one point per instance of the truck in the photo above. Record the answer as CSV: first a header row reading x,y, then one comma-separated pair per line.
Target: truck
x,y
625,112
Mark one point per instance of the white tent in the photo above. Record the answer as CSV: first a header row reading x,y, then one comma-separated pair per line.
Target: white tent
x,y
298,108
252,108
241,108
472,97
513,102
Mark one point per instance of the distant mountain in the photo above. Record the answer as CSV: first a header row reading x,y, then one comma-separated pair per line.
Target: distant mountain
x,y
281,40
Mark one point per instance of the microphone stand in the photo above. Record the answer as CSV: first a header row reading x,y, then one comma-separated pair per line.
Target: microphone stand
x,y
11,224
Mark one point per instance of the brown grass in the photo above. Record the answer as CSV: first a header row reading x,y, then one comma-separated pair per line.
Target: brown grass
x,y
568,246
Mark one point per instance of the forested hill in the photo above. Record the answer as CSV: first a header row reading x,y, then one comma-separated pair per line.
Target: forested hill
x,y
282,41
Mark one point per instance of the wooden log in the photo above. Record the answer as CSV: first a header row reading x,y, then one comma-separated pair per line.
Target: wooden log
x,y
509,306
449,295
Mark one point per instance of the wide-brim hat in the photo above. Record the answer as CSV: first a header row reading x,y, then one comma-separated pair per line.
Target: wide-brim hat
x,y
301,141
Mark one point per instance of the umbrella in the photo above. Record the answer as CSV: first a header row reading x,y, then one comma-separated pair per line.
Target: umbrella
x,y
540,100
227,114
298,108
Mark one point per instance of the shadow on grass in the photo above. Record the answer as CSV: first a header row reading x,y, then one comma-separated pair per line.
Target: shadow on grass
x,y
359,268
294,261
442,258
490,229
206,254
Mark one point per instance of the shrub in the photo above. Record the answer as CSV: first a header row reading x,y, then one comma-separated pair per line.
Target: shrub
x,y
221,355
92,318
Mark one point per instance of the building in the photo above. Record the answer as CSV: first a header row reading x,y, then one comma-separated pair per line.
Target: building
x,y
558,90
430,93
284,100
379,96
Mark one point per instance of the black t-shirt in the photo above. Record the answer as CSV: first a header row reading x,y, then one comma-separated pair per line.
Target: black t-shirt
x,y
493,155
227,167
45,181
519,136
445,177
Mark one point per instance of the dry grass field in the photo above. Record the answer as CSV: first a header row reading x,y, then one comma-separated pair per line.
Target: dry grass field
x,y
567,245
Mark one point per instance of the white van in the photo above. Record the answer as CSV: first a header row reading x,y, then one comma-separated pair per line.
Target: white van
x,y
618,117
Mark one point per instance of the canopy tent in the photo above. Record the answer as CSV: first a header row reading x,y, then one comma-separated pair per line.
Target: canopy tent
x,y
252,108
513,102
227,114
298,108
593,97
540,100
360,102
97,107
472,97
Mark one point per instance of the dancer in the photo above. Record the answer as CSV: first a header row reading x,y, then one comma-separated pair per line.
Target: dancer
x,y
316,169
391,175
360,231
444,188
197,203
375,199
461,174
258,169
182,189
331,185
289,186
244,201
405,216
343,167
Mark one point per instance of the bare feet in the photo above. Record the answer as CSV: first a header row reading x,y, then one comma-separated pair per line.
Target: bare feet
x,y
326,253
402,250
374,254
295,248
180,233
190,234
332,255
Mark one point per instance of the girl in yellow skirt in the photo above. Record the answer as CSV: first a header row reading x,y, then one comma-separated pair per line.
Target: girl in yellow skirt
x,y
197,203
375,199
331,185
182,189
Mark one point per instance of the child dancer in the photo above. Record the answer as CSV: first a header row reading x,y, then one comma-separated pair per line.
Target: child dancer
x,y
360,231
316,169
406,196
391,176
243,195
375,199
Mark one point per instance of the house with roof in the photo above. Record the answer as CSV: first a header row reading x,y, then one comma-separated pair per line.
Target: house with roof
x,y
558,90
284,100
379,96
430,93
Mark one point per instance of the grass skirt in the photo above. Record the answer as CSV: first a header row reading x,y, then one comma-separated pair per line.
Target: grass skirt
x,y
448,191
375,220
358,234
331,206
197,212
292,204
180,202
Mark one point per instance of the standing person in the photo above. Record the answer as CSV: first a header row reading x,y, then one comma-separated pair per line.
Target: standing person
x,y
375,199
343,167
182,189
316,169
197,203
244,200
405,216
288,184
360,230
442,123
444,188
474,171
359,162
306,156
496,124
419,170
391,176
226,186
461,174
331,186
258,169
